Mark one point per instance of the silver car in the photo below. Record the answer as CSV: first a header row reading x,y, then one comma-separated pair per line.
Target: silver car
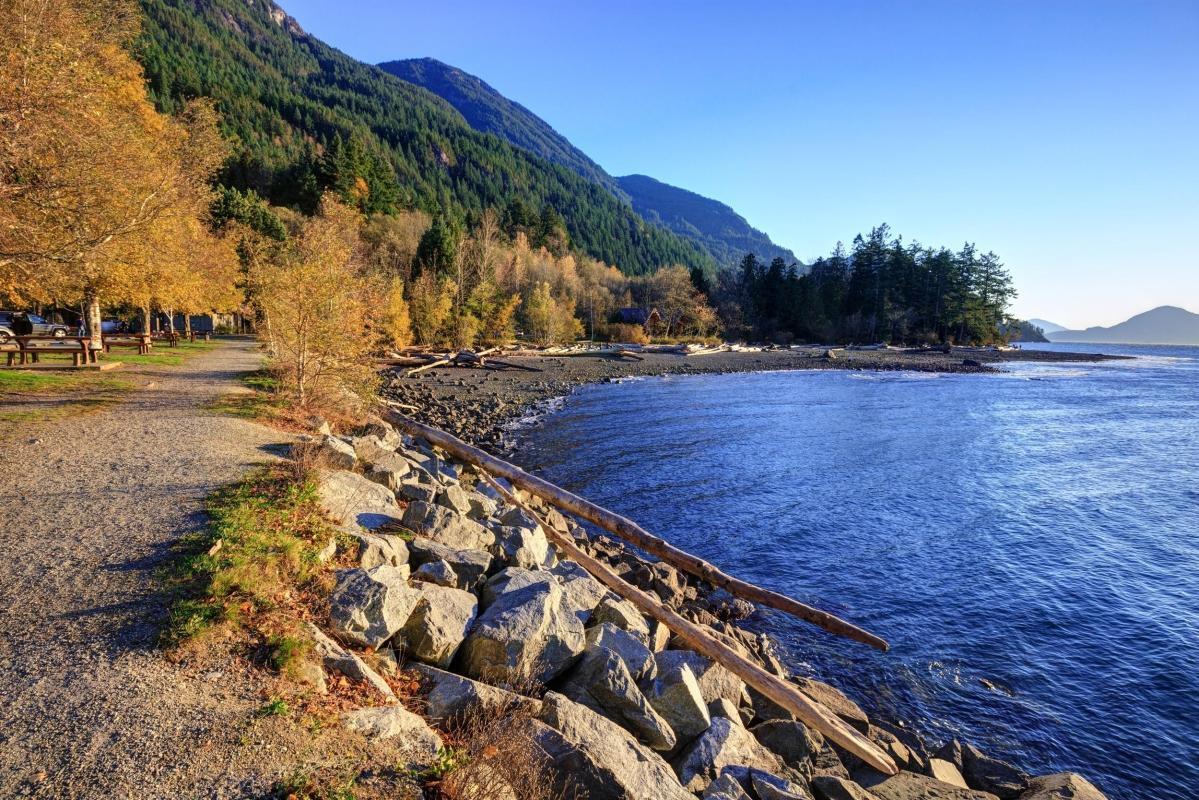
x,y
40,326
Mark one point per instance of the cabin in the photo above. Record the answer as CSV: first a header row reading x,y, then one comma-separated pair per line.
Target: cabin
x,y
647,318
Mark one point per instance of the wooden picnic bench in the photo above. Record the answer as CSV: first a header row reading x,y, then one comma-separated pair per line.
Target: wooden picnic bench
x,y
170,337
27,352
142,341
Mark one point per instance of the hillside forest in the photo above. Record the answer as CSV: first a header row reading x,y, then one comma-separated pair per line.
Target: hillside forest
x,y
117,195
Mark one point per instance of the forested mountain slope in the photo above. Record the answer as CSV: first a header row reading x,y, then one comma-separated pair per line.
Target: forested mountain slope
x,y
491,112
712,225
719,229
287,97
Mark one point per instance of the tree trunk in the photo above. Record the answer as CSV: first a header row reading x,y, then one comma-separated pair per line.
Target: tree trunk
x,y
91,303
147,322
170,320
187,325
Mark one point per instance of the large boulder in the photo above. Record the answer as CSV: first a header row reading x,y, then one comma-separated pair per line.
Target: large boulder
x,y
448,696
1062,786
455,498
353,500
723,744
791,741
623,615
714,680
771,787
603,683
946,772
438,624
336,454
677,697
992,775
438,572
470,566
834,700
601,756
335,657
631,650
368,607
377,549
522,547
390,722
914,786
726,787
446,527
581,592
828,787
524,632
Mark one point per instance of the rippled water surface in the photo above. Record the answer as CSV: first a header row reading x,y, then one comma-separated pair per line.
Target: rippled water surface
x,y
1036,530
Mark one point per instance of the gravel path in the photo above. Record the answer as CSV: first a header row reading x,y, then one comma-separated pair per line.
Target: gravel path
x,y
88,510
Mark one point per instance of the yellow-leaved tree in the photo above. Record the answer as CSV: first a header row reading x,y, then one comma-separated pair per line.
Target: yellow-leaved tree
x,y
95,184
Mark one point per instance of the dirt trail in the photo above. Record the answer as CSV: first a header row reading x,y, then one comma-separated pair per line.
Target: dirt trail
x,y
89,509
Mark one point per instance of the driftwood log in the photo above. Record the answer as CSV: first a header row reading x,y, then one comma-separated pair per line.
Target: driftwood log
x,y
631,532
807,710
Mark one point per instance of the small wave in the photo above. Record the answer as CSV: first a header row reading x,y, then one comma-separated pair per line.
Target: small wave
x,y
535,413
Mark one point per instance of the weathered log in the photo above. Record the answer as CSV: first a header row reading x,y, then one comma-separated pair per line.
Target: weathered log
x,y
510,365
632,532
807,710
630,354
441,362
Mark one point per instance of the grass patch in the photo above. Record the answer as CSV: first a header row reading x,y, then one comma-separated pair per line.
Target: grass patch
x,y
161,354
275,707
260,401
29,396
259,554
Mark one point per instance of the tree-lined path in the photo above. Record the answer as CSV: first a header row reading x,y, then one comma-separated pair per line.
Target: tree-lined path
x,y
89,509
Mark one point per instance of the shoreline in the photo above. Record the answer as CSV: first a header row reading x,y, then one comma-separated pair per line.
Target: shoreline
x,y
480,406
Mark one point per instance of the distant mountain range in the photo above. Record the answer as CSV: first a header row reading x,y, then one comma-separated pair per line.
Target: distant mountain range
x,y
713,226
1046,326
1162,325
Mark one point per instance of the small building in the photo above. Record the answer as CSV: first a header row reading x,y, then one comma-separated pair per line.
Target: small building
x,y
645,317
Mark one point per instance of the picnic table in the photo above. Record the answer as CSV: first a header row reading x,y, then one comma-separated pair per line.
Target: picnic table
x,y
27,351
142,341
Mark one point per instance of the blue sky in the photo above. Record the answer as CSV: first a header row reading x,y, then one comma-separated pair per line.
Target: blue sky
x,y
1061,135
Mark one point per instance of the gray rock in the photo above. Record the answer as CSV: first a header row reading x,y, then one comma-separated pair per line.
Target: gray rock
x,y
834,700
1062,786
353,500
390,722
913,786
828,787
438,572
521,547
439,623
632,650
335,453
659,636
517,517
420,492
723,707
793,742
523,633
450,696
946,773
677,697
714,680
384,432
581,592
602,682
446,527
771,787
512,579
471,566
337,658
368,607
725,787
601,756
377,549
481,506
623,615
992,775
455,498
723,744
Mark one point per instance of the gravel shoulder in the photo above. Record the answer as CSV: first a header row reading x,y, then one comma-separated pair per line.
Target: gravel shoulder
x,y
90,508
477,404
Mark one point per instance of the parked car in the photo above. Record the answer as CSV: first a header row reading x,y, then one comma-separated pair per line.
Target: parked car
x,y
40,326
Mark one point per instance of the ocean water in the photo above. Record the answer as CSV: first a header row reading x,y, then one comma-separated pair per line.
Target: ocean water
x,y
1027,542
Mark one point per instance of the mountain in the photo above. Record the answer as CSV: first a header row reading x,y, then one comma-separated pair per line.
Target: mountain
x,y
1162,325
1047,326
715,227
287,98
489,111
722,231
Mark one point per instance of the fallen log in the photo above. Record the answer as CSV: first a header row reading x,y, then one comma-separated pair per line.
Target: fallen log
x,y
441,362
510,365
807,710
630,354
401,361
632,532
